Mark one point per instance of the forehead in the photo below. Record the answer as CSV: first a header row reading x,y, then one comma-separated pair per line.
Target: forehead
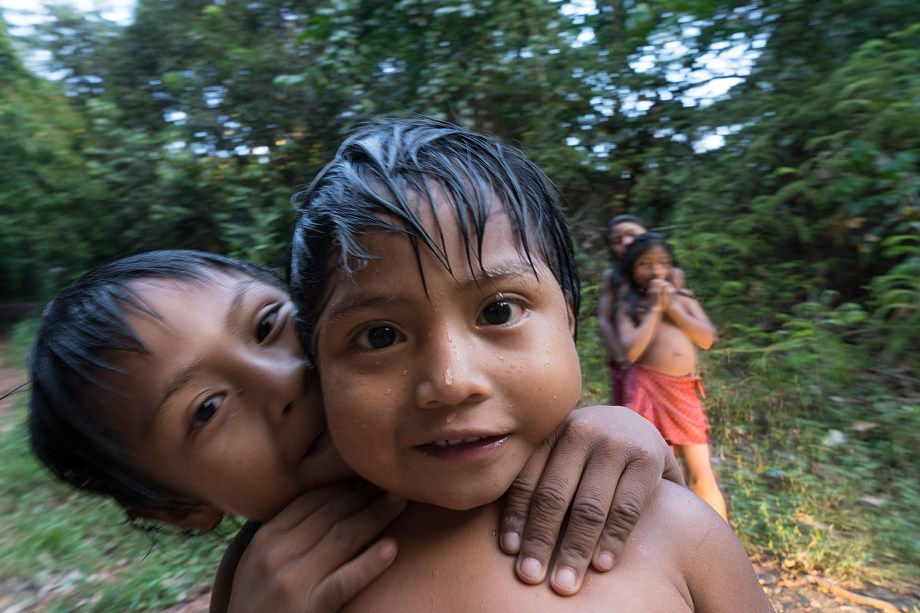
x,y
435,223
654,253
627,227
200,288
185,305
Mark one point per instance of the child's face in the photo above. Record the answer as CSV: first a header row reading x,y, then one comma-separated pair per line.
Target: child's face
x,y
441,395
655,263
622,235
222,410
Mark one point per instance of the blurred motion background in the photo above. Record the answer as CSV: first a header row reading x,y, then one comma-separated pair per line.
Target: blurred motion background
x,y
775,142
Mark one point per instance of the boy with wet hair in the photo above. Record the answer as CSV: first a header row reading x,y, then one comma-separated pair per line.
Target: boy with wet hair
x,y
437,293
174,382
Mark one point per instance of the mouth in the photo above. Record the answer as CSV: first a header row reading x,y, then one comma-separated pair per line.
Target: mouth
x,y
461,441
466,447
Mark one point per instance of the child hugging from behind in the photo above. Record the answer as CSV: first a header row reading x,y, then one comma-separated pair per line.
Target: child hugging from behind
x,y
174,383
660,326
437,293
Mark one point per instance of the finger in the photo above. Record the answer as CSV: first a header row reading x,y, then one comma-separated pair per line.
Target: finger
x,y
588,522
284,569
518,499
349,535
636,488
308,521
340,587
672,471
549,505
304,506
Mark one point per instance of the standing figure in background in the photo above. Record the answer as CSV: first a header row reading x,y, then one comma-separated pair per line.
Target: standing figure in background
x,y
660,326
621,230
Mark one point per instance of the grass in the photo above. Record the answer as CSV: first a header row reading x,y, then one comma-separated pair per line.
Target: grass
x,y
64,551
817,457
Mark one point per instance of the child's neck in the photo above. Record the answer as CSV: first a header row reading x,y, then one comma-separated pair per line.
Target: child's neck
x,y
421,521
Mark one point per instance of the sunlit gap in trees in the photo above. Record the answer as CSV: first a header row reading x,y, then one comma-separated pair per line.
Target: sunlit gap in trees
x,y
26,13
712,74
698,83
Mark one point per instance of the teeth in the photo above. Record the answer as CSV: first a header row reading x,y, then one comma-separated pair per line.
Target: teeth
x,y
471,439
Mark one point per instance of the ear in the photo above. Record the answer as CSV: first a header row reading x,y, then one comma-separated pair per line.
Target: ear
x,y
200,518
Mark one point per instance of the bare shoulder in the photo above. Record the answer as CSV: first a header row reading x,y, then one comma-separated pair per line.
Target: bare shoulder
x,y
717,570
450,563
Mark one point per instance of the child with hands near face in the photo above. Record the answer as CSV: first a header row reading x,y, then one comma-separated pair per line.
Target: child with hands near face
x,y
621,231
660,327
437,293
174,382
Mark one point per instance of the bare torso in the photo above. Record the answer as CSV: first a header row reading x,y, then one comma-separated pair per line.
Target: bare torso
x,y
670,351
450,561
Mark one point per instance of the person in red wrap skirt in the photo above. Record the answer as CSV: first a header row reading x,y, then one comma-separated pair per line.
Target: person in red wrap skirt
x,y
660,326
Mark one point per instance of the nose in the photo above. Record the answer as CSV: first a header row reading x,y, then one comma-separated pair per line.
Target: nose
x,y
660,271
451,372
271,383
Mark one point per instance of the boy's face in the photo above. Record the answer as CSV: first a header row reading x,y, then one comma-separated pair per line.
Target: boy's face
x,y
655,263
222,410
622,235
441,395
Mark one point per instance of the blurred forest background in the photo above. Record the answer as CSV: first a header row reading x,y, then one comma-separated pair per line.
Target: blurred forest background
x,y
776,142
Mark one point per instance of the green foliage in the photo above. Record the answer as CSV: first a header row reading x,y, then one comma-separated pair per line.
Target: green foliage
x,y
896,297
812,439
818,471
193,126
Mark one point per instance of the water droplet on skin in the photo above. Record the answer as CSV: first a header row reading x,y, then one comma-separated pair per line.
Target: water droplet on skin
x,y
387,391
450,417
448,377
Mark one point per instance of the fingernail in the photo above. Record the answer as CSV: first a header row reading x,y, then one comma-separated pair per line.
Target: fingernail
x,y
394,500
605,561
565,577
511,542
531,568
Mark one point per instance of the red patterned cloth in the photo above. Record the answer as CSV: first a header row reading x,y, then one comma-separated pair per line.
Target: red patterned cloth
x,y
672,404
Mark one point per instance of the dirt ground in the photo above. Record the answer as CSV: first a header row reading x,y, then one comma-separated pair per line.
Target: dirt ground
x,y
790,592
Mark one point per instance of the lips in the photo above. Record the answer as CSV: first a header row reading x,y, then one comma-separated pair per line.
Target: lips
x,y
463,441
468,448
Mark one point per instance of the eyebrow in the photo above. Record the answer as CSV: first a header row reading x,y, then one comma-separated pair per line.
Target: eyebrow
x,y
359,300
154,408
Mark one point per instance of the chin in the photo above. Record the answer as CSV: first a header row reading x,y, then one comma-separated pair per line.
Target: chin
x,y
465,501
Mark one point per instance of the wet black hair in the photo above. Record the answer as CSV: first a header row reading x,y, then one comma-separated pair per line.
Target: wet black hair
x,y
640,245
68,361
386,170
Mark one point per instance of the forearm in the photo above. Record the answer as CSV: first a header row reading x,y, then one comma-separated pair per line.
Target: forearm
x,y
695,325
637,339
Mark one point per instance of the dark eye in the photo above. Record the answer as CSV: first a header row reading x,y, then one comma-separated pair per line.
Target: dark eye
x,y
379,337
499,312
266,325
205,411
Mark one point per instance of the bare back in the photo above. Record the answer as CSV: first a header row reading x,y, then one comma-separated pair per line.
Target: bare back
x,y
680,557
